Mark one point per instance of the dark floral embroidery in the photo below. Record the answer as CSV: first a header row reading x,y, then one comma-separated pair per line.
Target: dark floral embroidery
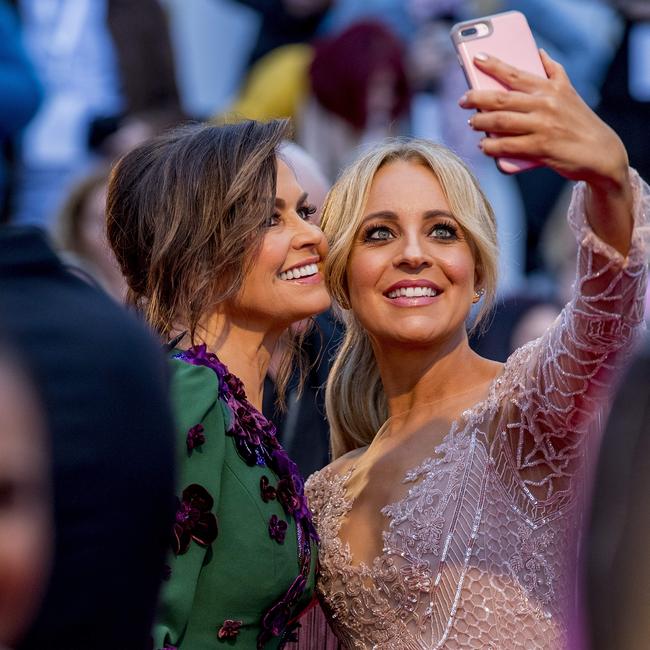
x,y
277,618
267,490
277,529
229,629
194,521
195,437
255,440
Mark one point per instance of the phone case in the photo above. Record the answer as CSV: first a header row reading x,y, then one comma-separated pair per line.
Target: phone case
x,y
508,38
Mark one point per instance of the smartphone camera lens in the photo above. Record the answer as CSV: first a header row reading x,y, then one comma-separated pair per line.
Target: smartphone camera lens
x,y
470,31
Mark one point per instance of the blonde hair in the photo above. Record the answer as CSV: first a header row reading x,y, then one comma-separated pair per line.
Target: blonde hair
x,y
355,401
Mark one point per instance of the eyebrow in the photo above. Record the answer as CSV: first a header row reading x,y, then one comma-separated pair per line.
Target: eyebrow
x,y
392,216
281,203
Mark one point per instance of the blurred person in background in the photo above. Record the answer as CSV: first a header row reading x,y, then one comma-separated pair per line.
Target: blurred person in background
x,y
26,534
284,22
19,99
81,234
617,567
108,74
100,379
625,94
302,427
516,320
221,263
344,92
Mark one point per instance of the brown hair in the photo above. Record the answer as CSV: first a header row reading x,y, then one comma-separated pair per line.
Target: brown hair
x,y
185,213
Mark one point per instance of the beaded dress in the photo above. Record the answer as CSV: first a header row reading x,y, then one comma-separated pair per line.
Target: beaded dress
x,y
480,550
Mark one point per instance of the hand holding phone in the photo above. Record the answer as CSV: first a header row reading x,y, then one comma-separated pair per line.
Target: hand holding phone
x,y
544,121
507,37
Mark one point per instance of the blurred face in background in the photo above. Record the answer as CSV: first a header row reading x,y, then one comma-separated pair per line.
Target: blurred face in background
x,y
25,515
93,241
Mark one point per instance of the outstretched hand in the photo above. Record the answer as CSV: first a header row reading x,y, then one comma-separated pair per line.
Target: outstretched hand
x,y
545,120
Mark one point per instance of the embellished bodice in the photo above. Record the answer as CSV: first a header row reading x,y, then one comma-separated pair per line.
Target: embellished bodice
x,y
469,560
480,548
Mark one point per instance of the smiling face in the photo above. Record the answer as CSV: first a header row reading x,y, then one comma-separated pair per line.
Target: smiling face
x,y
285,283
411,274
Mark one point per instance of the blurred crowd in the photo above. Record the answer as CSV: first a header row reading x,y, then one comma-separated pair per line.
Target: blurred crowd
x,y
84,81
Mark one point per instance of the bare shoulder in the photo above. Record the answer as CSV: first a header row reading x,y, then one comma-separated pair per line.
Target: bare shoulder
x,y
343,463
336,467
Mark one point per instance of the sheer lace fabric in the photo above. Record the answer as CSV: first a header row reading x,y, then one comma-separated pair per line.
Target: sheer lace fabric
x,y
480,550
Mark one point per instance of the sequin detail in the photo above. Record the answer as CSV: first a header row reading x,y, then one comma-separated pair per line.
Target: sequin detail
x,y
277,529
195,437
194,521
229,629
255,440
267,490
480,551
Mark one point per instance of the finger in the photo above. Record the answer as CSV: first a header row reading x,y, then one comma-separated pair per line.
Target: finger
x,y
503,122
518,146
508,75
499,100
554,70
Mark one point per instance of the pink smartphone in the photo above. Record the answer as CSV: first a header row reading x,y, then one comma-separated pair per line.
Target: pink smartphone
x,y
506,36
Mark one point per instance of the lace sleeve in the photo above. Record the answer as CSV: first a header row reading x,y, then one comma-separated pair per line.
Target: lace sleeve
x,y
563,381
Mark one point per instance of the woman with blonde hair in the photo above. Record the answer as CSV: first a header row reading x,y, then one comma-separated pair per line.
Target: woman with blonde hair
x,y
450,514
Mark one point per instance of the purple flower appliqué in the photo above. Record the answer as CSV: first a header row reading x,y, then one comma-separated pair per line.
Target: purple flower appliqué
x,y
194,521
277,618
277,529
195,437
229,629
255,440
267,490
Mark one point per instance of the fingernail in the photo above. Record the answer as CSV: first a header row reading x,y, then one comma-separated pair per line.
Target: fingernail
x,y
481,56
469,123
463,99
480,145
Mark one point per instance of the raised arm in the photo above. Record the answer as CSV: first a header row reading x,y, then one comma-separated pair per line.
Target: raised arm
x,y
561,382
545,120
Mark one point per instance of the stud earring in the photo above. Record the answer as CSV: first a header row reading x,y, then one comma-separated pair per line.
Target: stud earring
x,y
478,294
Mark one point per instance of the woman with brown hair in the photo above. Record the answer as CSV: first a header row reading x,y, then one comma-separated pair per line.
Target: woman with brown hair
x,y
450,515
214,236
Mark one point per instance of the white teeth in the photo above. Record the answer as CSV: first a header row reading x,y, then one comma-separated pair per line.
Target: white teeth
x,y
413,292
299,272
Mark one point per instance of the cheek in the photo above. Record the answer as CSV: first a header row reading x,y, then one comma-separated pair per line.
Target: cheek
x,y
364,271
459,267
25,545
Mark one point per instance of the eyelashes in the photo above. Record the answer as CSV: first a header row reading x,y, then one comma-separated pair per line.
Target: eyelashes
x,y
307,210
304,211
440,231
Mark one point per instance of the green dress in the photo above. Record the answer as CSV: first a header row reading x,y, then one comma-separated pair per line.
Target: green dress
x,y
242,566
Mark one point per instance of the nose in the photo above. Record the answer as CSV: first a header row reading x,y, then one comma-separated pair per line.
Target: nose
x,y
308,235
412,254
